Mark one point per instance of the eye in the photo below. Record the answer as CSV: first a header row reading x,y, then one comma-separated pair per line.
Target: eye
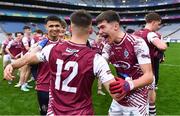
x,y
51,26
57,25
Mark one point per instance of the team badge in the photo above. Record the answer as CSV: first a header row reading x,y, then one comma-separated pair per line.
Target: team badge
x,y
126,53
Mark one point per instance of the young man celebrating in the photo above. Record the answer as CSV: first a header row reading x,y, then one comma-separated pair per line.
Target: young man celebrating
x,y
73,67
131,58
155,44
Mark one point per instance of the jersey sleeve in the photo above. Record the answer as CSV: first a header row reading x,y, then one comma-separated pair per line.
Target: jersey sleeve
x,y
44,54
101,69
142,52
151,36
106,51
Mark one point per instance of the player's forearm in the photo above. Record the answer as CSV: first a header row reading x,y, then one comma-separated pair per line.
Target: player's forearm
x,y
25,60
144,80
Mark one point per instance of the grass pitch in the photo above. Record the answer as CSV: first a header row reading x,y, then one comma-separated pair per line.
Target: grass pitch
x,y
15,102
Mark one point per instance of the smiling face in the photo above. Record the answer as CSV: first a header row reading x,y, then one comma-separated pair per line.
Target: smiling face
x,y
108,30
53,28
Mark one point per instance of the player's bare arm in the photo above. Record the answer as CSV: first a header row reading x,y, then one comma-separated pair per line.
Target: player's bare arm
x,y
29,58
146,78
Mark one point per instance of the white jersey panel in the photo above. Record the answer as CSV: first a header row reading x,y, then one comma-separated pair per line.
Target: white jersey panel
x,y
142,52
151,36
101,69
44,54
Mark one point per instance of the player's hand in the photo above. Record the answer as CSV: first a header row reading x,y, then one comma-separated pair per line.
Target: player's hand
x,y
8,72
122,87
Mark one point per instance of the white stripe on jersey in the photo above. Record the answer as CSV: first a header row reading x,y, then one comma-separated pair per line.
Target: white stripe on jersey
x,y
101,69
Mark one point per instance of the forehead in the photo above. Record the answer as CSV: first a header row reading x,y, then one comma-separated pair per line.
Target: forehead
x,y
18,34
53,23
103,23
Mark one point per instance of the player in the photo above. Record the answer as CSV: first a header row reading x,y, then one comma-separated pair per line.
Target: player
x,y
6,56
73,67
53,26
25,70
156,46
14,46
63,29
130,56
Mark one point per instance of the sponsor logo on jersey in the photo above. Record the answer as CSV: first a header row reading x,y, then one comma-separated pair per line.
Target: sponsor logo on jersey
x,y
71,50
122,64
126,53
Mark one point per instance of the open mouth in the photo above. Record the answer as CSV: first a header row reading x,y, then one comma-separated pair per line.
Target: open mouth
x,y
105,35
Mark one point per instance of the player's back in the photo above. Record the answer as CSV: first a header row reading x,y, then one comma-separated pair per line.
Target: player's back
x,y
71,66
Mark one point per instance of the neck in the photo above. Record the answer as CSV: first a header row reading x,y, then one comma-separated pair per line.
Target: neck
x,y
148,26
119,36
54,38
79,38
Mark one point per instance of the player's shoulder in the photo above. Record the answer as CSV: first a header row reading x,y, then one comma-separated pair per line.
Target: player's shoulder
x,y
135,38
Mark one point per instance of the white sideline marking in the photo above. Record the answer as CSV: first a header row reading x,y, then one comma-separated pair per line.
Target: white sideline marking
x,y
172,65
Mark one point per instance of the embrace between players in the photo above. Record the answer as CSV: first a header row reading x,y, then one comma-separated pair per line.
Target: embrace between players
x,y
72,67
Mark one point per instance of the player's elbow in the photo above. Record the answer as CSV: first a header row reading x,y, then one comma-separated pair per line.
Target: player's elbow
x,y
150,78
163,47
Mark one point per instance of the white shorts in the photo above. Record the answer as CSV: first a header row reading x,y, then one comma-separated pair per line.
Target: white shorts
x,y
119,110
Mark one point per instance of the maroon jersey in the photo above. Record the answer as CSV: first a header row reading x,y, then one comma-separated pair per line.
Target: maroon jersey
x,y
98,46
126,57
14,47
72,75
43,74
4,44
73,68
152,35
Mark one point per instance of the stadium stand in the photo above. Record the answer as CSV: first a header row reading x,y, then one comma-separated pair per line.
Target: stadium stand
x,y
33,13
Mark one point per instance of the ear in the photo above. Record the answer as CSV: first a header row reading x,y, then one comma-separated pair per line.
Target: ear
x,y
91,30
116,26
70,29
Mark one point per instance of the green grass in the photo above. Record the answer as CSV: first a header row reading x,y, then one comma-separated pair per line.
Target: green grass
x,y
15,102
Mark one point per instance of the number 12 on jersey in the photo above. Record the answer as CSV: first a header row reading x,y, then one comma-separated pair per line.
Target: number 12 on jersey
x,y
65,82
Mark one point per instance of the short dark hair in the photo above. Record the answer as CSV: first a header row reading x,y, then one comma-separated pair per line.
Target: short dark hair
x,y
18,33
8,34
53,18
39,31
152,17
109,16
81,18
26,27
63,23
